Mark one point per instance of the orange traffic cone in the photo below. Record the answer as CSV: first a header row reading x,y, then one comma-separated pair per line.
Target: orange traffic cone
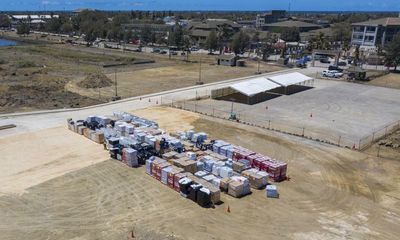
x,y
228,210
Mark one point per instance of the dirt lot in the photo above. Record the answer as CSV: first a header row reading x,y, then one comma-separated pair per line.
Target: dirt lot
x,y
391,80
333,193
388,147
45,76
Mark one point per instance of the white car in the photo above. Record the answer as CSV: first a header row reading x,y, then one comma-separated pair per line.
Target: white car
x,y
332,74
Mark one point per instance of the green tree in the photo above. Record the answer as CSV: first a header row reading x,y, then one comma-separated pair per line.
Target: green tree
x,y
342,33
256,37
146,35
240,42
53,25
23,28
67,27
356,56
319,42
4,21
290,34
224,34
212,41
128,35
176,36
392,53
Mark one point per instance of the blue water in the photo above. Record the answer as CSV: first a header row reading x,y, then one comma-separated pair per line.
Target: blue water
x,y
4,42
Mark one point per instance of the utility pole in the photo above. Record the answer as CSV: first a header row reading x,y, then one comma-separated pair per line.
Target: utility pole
x,y
115,81
199,81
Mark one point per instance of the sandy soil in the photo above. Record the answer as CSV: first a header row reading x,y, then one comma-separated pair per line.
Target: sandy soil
x,y
179,75
333,193
32,158
49,77
391,80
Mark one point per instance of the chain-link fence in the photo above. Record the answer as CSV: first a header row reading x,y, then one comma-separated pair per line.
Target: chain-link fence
x,y
383,132
257,121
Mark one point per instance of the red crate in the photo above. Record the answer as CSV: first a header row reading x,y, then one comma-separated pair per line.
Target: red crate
x,y
178,177
252,157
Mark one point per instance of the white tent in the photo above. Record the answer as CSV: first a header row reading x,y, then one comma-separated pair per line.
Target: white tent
x,y
290,79
254,86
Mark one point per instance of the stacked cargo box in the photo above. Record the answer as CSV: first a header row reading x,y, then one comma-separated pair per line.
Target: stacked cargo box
x,y
129,157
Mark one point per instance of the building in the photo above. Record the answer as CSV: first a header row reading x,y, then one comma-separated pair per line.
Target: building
x,y
280,26
227,60
34,20
270,17
376,32
199,31
157,29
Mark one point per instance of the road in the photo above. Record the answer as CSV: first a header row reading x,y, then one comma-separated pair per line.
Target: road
x,y
33,121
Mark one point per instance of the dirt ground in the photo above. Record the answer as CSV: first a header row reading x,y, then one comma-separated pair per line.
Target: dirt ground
x,y
45,76
388,147
391,80
333,193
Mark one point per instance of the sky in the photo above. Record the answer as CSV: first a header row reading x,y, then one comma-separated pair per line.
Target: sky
x,y
252,5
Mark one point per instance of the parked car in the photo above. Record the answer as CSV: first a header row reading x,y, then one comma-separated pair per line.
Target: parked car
x,y
194,49
332,74
163,52
324,60
342,63
335,68
173,53
156,50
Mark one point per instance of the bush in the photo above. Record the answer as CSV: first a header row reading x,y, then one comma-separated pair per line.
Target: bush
x,y
25,64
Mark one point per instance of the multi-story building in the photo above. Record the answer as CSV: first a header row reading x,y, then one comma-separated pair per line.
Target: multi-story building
x,y
375,32
270,17
199,31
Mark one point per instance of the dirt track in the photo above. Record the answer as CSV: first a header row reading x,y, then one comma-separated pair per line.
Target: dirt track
x,y
333,193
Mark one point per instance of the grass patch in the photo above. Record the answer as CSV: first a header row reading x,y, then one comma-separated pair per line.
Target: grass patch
x,y
25,64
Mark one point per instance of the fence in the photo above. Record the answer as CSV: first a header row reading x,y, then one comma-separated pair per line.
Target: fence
x,y
375,136
312,134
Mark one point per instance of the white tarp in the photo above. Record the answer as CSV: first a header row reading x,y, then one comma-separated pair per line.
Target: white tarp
x,y
289,79
254,86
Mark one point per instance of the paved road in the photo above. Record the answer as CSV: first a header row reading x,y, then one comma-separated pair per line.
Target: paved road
x,y
32,121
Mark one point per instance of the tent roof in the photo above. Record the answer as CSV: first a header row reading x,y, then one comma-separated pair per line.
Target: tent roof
x,y
289,79
254,86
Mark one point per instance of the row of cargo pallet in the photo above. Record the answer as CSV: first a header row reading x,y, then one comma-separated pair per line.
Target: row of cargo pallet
x,y
188,162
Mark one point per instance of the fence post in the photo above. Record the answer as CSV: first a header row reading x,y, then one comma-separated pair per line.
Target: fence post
x,y
184,104
340,137
359,144
213,112
303,132
269,124
195,107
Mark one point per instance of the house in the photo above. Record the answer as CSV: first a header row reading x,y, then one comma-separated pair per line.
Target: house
x,y
227,60
34,20
270,17
280,26
199,31
376,32
137,27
